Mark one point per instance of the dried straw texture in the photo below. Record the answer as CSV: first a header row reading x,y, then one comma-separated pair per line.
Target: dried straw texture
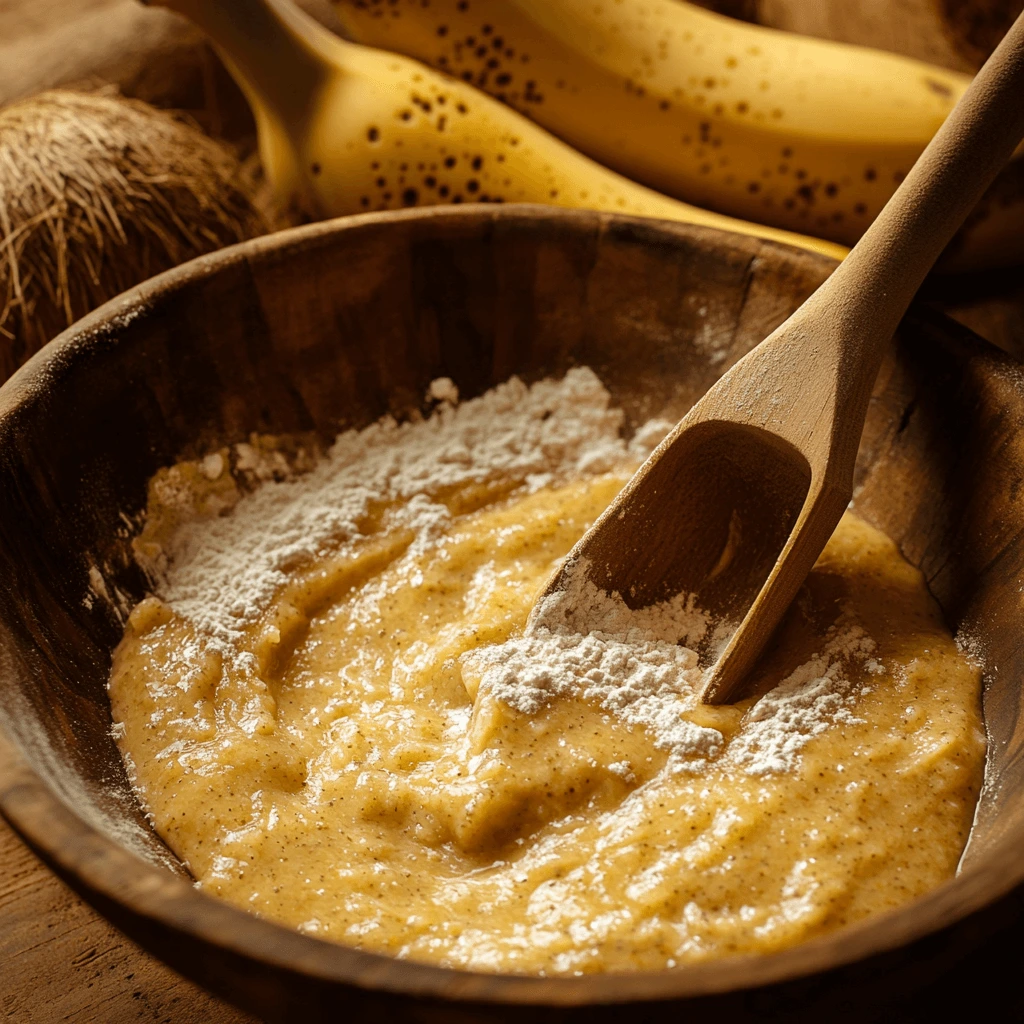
x,y
96,194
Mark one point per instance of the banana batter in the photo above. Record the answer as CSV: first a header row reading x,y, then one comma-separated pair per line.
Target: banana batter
x,y
378,754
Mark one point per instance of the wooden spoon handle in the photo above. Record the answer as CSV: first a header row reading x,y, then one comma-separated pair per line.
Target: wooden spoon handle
x,y
872,289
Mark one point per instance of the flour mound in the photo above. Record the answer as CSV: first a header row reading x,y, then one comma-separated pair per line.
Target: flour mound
x,y
808,701
221,568
588,644
222,572
631,664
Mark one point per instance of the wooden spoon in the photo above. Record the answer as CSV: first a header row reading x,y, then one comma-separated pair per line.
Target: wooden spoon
x,y
736,504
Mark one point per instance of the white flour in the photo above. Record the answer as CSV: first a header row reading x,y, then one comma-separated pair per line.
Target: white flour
x,y
809,700
632,663
635,664
221,571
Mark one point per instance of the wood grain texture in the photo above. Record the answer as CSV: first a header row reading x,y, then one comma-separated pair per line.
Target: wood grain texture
x,y
331,325
956,34
61,961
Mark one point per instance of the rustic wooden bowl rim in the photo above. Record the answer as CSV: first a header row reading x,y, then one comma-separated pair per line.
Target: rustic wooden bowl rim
x,y
101,867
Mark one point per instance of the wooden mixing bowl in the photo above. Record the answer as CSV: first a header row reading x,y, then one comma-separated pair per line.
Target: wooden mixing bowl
x,y
332,325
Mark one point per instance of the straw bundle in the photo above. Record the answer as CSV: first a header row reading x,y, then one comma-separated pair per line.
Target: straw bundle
x,y
96,194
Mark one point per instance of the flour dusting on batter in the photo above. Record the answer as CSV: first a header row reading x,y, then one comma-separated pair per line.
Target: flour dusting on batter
x,y
221,571
340,714
639,664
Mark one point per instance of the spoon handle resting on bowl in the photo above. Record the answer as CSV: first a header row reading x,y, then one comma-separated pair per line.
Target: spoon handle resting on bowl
x,y
737,503
871,290
846,324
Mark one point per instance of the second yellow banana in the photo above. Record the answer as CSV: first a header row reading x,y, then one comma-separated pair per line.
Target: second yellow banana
x,y
801,133
344,128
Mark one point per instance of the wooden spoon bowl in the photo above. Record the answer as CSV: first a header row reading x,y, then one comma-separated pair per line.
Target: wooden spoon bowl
x,y
718,465
332,325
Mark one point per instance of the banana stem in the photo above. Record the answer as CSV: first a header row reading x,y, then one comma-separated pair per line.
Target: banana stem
x,y
278,63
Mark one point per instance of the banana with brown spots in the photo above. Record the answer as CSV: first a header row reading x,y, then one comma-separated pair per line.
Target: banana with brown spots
x,y
344,129
801,133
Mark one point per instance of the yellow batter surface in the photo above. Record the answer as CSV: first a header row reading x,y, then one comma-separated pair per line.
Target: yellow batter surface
x,y
343,780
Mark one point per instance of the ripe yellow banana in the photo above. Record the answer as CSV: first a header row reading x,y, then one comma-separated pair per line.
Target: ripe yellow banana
x,y
344,129
802,133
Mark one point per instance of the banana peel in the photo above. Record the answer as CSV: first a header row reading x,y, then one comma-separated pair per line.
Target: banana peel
x,y
344,128
803,134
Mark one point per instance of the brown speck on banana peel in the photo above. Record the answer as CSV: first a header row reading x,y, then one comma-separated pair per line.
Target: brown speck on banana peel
x,y
694,84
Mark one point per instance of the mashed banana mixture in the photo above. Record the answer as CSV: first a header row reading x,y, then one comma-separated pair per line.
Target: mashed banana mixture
x,y
335,713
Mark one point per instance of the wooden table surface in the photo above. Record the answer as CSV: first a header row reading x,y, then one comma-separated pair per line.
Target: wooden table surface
x,y
61,961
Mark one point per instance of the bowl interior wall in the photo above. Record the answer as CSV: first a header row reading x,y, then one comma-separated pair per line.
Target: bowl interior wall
x,y
330,328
